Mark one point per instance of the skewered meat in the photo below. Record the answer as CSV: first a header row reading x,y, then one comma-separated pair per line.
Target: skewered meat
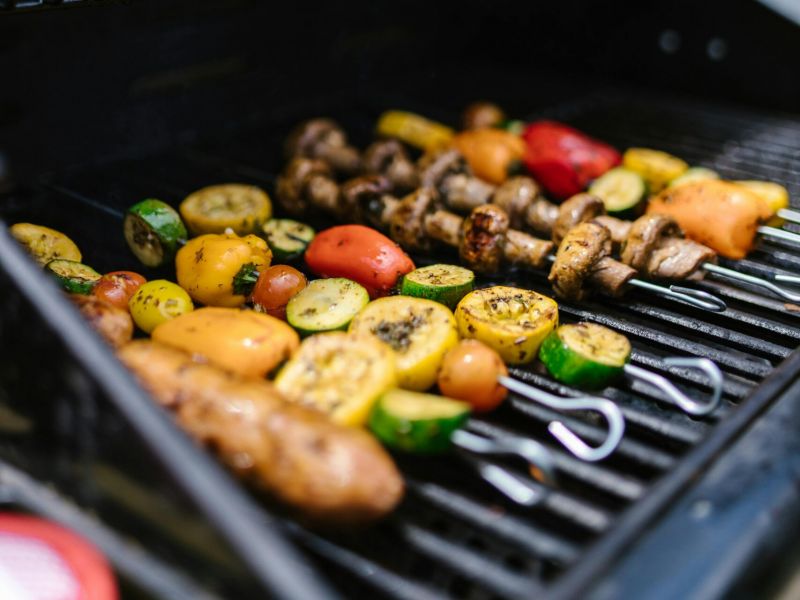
x,y
655,246
325,470
114,324
390,159
325,140
449,174
307,183
583,262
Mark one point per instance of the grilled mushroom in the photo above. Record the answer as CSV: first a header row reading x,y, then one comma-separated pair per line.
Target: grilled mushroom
x,y
655,246
484,235
448,172
583,262
307,183
482,114
407,224
324,139
521,198
390,159
577,209
365,198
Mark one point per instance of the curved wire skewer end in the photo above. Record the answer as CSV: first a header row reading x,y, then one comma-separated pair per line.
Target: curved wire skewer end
x,y
687,404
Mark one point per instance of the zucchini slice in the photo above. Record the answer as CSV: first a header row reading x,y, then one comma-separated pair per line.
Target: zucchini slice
x,y
339,374
72,276
694,174
620,189
213,209
44,244
326,305
443,283
414,422
153,231
512,321
585,355
656,167
419,331
287,239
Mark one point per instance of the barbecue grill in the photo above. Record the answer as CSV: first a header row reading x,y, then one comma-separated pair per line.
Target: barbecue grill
x,y
106,103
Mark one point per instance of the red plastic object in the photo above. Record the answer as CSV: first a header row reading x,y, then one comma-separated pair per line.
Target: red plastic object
x,y
40,560
565,160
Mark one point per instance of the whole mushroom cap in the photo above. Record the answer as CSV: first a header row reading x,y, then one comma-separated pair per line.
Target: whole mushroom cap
x,y
577,209
408,220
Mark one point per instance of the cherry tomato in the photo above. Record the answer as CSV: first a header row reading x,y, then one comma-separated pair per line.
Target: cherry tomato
x,y
117,287
361,254
469,373
275,287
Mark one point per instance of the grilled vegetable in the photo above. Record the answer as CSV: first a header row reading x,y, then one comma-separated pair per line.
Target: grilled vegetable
x,y
245,342
114,324
326,305
419,331
443,283
221,269
414,130
118,287
694,174
359,253
469,372
491,153
620,190
510,320
45,244
776,196
563,159
287,239
340,374
722,215
158,301
324,470
72,276
153,231
275,287
213,209
656,168
414,422
585,355
482,114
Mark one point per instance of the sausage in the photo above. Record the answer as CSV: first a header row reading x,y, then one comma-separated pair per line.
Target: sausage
x,y
324,470
114,324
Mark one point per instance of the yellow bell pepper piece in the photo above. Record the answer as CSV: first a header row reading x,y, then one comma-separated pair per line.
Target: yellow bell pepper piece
x,y
414,130
214,267
775,195
655,167
245,342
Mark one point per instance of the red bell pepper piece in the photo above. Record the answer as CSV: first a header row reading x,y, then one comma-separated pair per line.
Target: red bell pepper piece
x,y
359,253
563,159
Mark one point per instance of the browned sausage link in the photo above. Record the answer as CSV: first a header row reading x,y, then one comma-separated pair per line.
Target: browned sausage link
x,y
582,247
113,324
325,470
577,209
444,227
483,238
523,249
610,276
619,229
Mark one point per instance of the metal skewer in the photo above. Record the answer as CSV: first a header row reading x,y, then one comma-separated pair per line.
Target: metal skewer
x,y
787,214
687,404
579,448
781,234
696,298
758,281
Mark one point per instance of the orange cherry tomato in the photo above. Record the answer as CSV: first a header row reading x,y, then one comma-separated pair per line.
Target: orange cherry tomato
x,y
361,254
469,373
117,287
275,287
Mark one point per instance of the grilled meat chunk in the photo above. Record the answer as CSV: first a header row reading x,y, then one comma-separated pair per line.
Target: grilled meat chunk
x,y
655,246
325,470
114,324
583,262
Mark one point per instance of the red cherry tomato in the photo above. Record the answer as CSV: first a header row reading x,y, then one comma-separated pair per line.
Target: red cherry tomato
x,y
469,372
275,287
117,287
361,254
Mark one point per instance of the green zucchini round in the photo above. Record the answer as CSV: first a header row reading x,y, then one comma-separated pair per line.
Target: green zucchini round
x,y
287,238
585,355
446,284
154,231
620,189
326,305
72,276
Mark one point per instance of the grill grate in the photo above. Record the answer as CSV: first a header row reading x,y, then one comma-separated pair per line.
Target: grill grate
x,y
453,535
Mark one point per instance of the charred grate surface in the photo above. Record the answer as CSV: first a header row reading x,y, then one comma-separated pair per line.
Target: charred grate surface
x,y
454,536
